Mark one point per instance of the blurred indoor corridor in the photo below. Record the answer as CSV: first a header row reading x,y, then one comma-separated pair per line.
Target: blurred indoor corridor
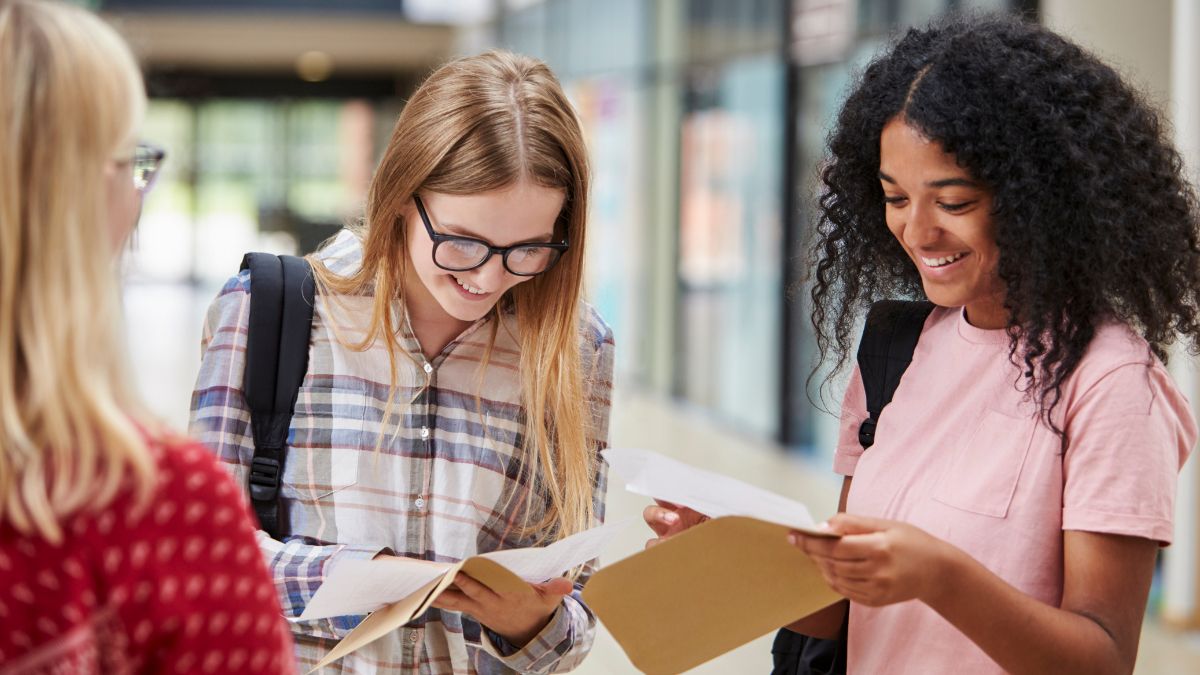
x,y
167,322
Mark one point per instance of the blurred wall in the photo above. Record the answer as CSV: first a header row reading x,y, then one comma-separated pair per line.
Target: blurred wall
x,y
1133,36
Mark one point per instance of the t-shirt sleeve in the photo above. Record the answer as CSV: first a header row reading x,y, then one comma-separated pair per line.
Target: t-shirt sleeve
x,y
854,411
1128,437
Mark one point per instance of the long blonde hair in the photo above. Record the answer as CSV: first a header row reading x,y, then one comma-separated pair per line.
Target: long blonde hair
x,y
71,95
477,124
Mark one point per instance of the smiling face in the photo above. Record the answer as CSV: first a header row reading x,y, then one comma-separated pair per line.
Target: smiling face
x,y
943,219
524,213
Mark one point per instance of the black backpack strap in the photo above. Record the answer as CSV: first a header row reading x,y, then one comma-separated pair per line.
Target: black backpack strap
x,y
888,341
281,311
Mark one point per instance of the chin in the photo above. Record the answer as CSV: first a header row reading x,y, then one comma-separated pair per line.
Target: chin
x,y
472,313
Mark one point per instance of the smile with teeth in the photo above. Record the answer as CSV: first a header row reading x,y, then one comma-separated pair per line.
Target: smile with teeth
x,y
942,262
469,288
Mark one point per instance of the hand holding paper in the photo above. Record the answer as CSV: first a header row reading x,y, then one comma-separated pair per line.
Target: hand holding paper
x,y
711,494
881,562
361,586
716,585
516,616
401,589
668,520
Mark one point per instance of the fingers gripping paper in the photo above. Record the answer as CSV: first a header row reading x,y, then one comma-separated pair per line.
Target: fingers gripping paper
x,y
397,590
653,475
714,587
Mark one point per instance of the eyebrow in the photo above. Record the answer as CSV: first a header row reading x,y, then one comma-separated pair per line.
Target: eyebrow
x,y
944,182
460,231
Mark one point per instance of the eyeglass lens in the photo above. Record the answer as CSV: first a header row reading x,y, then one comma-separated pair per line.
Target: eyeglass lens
x,y
147,160
465,254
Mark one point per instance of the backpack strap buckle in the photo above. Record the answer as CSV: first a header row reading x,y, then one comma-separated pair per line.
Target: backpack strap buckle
x,y
264,478
866,433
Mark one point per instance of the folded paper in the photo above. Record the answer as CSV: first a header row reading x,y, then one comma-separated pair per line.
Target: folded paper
x,y
398,590
717,585
653,475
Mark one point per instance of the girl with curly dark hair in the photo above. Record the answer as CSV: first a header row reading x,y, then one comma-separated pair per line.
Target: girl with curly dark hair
x,y
1008,516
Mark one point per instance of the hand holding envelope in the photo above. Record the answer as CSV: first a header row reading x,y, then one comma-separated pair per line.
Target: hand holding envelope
x,y
704,492
667,520
718,584
397,590
516,616
724,575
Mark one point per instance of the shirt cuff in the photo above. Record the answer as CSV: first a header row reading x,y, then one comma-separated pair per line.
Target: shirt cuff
x,y
340,626
1126,524
845,460
355,553
544,650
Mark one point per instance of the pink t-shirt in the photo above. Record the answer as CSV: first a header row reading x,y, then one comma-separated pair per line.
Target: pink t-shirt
x,y
961,454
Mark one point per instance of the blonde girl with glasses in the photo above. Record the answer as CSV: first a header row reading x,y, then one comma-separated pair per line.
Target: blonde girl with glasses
x,y
123,548
457,391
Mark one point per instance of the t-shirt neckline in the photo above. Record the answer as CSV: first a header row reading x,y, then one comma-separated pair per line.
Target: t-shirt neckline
x,y
980,336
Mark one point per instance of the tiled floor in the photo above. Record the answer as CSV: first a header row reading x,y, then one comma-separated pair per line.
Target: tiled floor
x,y
164,324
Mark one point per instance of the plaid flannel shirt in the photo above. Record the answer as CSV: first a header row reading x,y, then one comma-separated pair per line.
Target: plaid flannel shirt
x,y
438,489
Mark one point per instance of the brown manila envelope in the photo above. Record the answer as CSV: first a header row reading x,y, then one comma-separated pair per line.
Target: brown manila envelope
x,y
398,590
714,587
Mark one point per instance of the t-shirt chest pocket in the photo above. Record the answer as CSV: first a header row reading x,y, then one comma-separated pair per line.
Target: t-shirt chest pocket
x,y
982,473
326,442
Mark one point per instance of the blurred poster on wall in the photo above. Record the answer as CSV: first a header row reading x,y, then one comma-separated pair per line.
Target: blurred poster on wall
x,y
730,232
610,112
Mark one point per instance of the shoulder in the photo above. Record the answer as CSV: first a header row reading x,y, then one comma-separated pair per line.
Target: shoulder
x,y
1120,371
1115,349
342,255
595,331
234,289
231,305
192,501
194,493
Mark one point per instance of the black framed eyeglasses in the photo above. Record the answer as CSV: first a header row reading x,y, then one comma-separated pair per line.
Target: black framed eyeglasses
x,y
147,160
460,254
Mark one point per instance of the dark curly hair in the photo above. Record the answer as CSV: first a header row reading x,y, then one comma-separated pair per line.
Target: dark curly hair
x,y
1093,217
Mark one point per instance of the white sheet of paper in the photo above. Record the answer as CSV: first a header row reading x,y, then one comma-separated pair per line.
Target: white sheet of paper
x,y
539,564
659,477
361,586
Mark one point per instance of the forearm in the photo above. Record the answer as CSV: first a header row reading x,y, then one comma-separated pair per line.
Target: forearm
x,y
1023,635
824,623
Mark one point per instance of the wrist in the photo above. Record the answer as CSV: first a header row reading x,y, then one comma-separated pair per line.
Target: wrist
x,y
520,638
949,566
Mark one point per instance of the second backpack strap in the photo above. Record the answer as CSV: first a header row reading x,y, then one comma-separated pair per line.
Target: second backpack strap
x,y
889,339
281,310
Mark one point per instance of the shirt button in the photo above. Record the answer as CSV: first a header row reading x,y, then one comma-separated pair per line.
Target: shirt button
x,y
424,432
428,369
420,503
412,637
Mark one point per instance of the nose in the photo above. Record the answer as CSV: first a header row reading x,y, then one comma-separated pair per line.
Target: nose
x,y
920,228
492,274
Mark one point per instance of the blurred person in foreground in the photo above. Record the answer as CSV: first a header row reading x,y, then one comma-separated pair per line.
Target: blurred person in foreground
x,y
457,393
123,548
1022,480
